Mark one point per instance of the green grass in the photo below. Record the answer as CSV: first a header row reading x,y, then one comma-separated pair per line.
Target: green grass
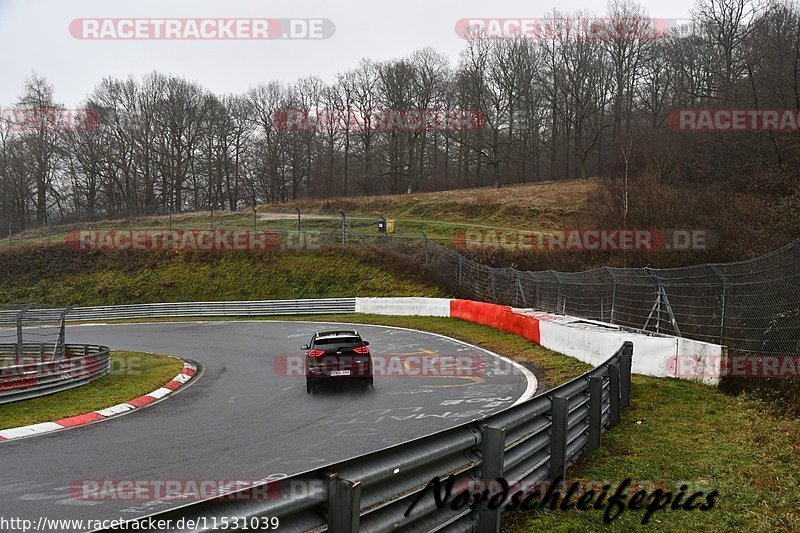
x,y
59,276
677,432
133,374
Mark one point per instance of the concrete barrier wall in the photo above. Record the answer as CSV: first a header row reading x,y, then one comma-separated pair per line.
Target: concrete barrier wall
x,y
404,306
660,356
586,340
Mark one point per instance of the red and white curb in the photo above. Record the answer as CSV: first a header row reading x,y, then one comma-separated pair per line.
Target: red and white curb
x,y
189,371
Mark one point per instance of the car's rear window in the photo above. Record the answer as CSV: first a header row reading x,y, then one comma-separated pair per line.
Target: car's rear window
x,y
344,342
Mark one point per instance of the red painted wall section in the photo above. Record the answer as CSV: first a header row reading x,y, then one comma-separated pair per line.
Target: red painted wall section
x,y
496,316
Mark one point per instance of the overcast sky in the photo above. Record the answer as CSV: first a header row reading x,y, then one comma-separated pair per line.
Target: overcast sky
x,y
35,36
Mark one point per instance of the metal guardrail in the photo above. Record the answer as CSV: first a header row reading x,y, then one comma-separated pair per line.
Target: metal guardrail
x,y
211,309
531,442
79,364
28,370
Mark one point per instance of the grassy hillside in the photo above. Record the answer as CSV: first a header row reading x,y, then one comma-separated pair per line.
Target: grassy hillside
x,y
59,276
546,204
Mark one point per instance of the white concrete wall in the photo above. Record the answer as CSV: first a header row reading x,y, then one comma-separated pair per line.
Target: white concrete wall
x,y
404,306
587,340
661,356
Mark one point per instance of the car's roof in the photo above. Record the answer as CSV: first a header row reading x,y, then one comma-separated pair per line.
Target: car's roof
x,y
339,333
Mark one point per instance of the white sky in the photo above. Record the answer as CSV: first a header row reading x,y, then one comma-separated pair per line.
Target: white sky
x,y
34,36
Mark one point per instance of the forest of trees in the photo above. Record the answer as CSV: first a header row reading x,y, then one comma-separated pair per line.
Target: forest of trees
x,y
556,108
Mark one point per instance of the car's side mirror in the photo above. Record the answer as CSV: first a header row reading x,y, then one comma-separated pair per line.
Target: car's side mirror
x,y
304,347
366,343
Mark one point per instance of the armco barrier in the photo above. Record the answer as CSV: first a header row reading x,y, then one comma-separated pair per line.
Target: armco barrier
x,y
529,443
80,364
211,309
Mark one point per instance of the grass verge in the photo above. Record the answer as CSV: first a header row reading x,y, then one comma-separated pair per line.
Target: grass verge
x,y
59,276
677,433
133,374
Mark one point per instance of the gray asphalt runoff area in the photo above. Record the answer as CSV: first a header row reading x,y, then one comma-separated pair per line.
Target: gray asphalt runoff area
x,y
246,418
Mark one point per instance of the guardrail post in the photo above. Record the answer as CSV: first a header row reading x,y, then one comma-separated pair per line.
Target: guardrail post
x,y
613,392
558,436
18,352
625,361
344,505
595,411
492,457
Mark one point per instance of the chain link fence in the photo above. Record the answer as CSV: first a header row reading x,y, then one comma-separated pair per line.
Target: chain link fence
x,y
752,307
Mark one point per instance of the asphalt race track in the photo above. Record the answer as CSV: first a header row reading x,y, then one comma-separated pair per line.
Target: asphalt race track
x,y
243,419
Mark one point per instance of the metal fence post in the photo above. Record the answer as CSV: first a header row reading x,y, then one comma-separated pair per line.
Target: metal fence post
x,y
492,456
613,293
625,362
520,289
558,436
427,253
726,287
61,340
344,505
613,393
595,411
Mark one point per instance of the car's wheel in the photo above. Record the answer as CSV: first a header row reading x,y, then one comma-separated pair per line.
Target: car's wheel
x,y
369,383
311,387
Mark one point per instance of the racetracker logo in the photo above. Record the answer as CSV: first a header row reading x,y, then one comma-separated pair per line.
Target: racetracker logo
x,y
25,120
581,28
169,240
200,29
173,489
380,120
781,366
582,240
411,366
730,120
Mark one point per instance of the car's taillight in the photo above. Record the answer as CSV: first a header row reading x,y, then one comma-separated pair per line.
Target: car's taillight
x,y
316,353
361,350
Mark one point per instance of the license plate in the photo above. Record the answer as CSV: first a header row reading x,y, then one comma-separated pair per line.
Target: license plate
x,y
340,373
